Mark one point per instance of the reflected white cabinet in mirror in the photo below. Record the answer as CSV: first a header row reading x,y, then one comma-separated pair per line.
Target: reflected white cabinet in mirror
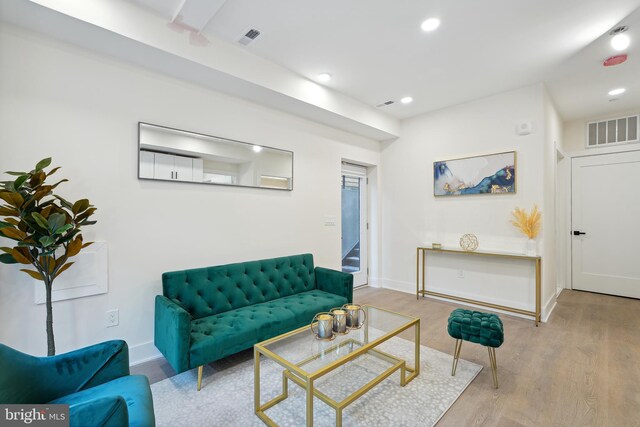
x,y
169,154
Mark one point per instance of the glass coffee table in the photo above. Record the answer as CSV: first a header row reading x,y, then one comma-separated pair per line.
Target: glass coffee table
x,y
306,359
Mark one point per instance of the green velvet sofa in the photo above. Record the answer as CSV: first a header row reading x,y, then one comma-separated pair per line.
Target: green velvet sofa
x,y
209,313
94,381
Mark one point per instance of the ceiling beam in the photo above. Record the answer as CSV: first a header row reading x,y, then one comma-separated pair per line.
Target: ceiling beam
x,y
197,14
177,11
126,31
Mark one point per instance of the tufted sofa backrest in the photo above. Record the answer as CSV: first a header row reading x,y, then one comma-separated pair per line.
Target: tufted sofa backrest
x,y
213,290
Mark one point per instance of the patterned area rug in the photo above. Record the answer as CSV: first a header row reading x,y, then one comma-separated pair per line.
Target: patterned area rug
x,y
226,398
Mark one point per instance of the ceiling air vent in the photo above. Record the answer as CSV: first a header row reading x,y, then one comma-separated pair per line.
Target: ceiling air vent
x,y
619,130
249,37
384,104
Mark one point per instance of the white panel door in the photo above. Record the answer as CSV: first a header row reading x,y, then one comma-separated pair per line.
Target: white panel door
x,y
183,167
163,166
605,224
147,160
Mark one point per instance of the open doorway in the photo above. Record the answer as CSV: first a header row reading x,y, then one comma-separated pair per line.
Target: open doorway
x,y
354,222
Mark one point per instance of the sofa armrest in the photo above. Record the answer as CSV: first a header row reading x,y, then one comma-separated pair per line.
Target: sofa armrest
x,y
335,282
109,411
172,333
30,379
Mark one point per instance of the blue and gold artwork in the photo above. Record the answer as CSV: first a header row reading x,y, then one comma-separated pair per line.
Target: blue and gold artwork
x,y
490,174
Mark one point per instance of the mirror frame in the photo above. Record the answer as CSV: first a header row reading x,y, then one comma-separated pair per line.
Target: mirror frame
x,y
140,124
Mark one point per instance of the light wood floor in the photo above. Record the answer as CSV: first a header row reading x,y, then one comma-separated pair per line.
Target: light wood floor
x,y
581,368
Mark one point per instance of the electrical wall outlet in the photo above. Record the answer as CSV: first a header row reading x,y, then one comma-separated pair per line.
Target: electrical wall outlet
x,y
460,274
113,318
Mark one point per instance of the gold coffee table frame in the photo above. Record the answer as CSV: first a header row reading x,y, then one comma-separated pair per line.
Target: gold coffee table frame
x,y
296,373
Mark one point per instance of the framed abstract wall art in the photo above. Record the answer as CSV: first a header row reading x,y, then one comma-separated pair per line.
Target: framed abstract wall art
x,y
490,174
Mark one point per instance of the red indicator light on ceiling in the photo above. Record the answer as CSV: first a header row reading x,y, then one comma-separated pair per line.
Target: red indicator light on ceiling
x,y
614,60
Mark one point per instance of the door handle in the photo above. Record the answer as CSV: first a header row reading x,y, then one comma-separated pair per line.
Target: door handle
x,y
577,233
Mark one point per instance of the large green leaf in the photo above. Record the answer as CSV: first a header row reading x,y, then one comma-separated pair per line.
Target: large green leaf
x,y
56,220
43,164
42,221
63,229
7,259
18,182
64,202
16,173
47,241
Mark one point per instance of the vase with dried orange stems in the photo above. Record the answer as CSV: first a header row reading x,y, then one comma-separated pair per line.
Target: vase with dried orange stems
x,y
529,224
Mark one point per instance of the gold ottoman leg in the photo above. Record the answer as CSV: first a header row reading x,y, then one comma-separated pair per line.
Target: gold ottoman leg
x,y
494,365
456,356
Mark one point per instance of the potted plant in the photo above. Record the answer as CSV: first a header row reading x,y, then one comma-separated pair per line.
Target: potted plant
x,y
46,228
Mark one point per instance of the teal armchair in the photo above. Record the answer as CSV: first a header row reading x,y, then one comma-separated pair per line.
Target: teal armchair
x,y
94,382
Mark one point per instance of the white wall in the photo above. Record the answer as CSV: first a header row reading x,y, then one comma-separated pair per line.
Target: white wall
x,y
82,109
553,250
412,216
575,131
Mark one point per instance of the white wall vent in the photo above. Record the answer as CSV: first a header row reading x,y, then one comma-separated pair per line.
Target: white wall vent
x,y
249,37
618,130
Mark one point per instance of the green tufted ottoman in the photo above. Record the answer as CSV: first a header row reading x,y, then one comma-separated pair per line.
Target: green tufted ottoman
x,y
481,328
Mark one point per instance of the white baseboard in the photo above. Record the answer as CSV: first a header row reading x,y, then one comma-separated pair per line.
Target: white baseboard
x,y
397,285
547,311
374,282
142,353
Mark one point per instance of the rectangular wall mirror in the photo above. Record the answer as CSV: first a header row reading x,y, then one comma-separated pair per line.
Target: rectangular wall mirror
x,y
169,154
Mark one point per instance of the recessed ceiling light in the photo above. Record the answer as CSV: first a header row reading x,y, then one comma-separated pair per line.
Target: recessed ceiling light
x,y
618,91
324,77
407,100
430,24
257,148
620,41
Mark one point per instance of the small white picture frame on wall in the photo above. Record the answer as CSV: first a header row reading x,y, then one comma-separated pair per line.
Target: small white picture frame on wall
x,y
89,275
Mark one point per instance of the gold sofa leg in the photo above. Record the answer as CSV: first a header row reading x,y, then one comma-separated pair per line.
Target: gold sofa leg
x,y
456,356
200,377
494,365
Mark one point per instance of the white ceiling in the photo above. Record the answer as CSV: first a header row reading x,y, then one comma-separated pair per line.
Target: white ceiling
x,y
376,52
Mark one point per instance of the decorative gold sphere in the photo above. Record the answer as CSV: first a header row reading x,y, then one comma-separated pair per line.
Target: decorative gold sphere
x,y
469,242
